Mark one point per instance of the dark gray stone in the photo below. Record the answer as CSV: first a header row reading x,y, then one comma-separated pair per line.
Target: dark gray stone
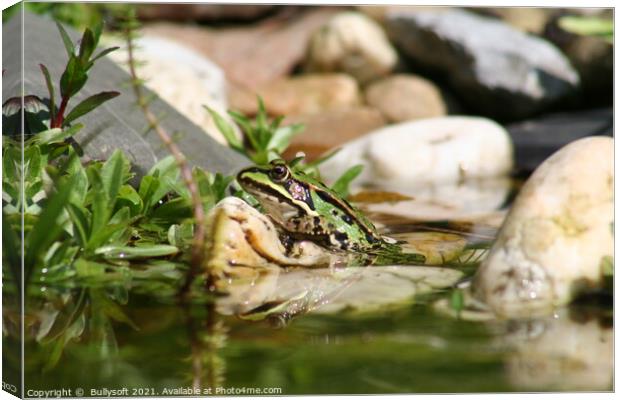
x,y
119,123
497,70
535,140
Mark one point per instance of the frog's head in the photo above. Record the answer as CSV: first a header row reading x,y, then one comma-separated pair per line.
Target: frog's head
x,y
282,192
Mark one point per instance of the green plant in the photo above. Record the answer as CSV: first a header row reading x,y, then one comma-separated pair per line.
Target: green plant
x,y
588,26
74,78
265,141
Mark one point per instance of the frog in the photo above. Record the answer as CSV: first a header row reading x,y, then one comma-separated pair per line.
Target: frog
x,y
305,209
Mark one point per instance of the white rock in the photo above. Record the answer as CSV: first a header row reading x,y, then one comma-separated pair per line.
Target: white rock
x,y
557,232
435,150
352,43
185,79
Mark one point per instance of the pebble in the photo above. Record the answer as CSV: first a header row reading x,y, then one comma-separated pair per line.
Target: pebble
x,y
305,94
405,97
352,43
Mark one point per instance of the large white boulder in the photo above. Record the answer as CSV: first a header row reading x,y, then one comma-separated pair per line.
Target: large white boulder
x,y
558,232
436,150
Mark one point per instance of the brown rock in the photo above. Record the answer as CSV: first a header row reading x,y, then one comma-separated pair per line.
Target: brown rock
x,y
204,12
330,129
527,19
306,94
406,97
352,43
253,54
379,13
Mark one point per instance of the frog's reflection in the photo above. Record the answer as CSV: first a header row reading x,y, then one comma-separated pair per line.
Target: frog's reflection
x,y
561,352
278,294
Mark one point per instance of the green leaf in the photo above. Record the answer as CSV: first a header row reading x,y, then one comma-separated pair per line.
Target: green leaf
x,y
127,252
173,210
11,250
75,168
66,40
73,78
100,202
148,186
79,219
56,135
282,137
87,46
113,174
341,186
88,105
47,228
97,29
33,168
104,53
86,268
587,26
122,219
50,90
11,164
225,129
111,309
106,233
128,197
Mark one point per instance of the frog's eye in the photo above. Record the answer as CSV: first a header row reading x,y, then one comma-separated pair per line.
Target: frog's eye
x,y
279,173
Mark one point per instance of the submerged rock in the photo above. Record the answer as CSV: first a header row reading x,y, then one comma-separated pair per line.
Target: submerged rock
x,y
556,236
405,97
499,70
436,150
352,43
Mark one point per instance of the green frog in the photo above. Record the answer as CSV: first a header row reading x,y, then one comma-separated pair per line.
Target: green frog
x,y
305,209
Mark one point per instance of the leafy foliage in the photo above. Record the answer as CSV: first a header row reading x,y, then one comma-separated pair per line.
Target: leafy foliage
x,y
262,141
588,26
74,77
265,141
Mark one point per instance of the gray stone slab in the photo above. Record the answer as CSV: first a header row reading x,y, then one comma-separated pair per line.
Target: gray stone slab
x,y
119,123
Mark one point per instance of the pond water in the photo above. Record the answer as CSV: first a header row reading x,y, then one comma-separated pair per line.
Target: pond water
x,y
151,346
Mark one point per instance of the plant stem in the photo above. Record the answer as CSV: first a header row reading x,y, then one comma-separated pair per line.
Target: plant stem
x,y
59,117
198,247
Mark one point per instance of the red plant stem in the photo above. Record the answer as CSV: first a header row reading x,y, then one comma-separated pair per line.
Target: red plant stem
x,y
59,118
198,247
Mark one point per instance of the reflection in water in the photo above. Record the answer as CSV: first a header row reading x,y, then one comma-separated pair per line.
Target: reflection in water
x,y
286,293
338,337
207,336
468,200
561,353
